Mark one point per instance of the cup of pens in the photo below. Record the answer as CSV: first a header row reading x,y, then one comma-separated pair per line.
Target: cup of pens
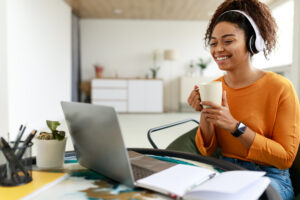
x,y
16,161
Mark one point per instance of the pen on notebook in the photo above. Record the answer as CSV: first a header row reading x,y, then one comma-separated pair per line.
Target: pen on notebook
x,y
25,144
201,181
19,136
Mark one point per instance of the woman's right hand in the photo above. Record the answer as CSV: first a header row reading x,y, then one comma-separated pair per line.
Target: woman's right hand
x,y
207,128
194,99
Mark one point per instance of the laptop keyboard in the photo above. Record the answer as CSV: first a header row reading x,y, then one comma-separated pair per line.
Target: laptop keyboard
x,y
139,172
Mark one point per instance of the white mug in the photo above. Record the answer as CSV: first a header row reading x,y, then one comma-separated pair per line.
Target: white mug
x,y
211,91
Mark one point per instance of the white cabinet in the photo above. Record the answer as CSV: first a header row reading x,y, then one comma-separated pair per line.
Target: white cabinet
x,y
145,96
110,92
129,95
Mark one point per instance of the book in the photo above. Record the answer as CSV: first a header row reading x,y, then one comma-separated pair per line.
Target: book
x,y
40,181
192,182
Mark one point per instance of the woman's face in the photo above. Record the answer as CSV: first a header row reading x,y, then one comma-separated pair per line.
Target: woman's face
x,y
228,46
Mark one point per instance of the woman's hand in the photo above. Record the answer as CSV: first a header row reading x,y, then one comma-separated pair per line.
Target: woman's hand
x,y
219,115
194,99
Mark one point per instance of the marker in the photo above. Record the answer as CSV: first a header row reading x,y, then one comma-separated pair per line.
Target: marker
x,y
19,136
22,150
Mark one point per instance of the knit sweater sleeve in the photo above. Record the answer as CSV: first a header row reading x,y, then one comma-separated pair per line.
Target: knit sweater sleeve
x,y
205,150
280,150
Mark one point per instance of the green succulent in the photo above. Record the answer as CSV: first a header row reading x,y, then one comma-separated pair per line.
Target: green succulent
x,y
55,134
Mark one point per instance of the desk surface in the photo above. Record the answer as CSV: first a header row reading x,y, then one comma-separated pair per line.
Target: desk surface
x,y
86,184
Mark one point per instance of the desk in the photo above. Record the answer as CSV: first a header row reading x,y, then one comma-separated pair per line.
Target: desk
x,y
85,184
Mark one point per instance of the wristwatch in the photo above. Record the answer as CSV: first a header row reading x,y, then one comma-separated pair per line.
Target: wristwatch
x,y
240,129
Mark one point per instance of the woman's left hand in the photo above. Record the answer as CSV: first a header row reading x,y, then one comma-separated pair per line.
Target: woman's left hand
x,y
219,115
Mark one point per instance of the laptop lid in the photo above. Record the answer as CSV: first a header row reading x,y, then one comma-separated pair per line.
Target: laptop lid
x,y
97,140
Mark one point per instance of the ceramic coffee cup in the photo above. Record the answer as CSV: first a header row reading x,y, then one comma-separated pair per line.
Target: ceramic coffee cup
x,y
211,91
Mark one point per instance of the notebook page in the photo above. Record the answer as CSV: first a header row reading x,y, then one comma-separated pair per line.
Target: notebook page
x,y
175,180
230,181
250,192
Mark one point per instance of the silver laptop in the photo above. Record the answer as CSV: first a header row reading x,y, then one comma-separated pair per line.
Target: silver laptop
x,y
99,145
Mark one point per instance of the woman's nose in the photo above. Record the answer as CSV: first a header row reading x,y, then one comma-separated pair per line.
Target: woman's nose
x,y
219,48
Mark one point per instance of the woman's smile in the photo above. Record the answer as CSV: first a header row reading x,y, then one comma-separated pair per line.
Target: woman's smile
x,y
221,59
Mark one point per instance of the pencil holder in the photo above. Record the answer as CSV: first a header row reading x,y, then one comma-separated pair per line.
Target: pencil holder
x,y
16,168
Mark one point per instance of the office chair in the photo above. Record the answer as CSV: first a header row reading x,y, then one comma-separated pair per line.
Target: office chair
x,y
295,175
186,143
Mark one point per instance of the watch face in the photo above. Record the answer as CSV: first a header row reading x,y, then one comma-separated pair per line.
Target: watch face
x,y
242,127
240,130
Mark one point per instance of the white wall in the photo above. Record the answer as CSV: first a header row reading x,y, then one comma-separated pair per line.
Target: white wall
x,y
295,72
3,71
125,47
283,53
39,61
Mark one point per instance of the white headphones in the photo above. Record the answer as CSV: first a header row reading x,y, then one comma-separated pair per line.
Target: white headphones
x,y
256,43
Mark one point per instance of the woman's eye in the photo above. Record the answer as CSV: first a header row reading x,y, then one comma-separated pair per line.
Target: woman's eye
x,y
228,42
212,44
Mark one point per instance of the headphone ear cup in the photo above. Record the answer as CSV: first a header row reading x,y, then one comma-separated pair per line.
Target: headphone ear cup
x,y
251,45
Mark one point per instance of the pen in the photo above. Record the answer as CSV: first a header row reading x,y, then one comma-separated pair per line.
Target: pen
x,y
11,158
19,136
22,150
201,181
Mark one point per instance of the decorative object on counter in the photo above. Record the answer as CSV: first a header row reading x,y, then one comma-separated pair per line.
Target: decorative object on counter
x,y
155,67
191,69
154,71
99,70
51,147
202,64
85,87
16,160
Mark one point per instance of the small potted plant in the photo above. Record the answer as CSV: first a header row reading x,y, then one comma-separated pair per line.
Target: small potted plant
x,y
154,71
202,64
51,147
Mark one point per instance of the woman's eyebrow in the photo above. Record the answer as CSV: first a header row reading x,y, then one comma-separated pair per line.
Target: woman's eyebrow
x,y
227,35
223,36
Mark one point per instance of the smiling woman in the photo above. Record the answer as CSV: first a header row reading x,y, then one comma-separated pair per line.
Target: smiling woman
x,y
229,36
257,126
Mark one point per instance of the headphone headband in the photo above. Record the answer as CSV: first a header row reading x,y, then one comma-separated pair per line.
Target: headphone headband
x,y
259,41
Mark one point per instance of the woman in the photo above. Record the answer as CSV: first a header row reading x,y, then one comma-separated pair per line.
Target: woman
x,y
257,126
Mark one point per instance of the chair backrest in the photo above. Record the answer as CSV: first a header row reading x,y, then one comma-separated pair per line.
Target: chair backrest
x,y
185,143
295,174
152,130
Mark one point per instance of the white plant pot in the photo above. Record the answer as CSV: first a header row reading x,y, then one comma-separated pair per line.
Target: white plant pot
x,y
50,153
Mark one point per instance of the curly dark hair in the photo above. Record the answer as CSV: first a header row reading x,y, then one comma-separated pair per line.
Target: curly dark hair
x,y
258,11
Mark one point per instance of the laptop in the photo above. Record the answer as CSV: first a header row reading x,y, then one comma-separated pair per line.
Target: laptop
x,y
99,145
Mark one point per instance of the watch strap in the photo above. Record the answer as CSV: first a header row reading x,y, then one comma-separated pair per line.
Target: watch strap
x,y
240,129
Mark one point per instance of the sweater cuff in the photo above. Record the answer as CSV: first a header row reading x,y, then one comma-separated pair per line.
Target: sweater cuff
x,y
255,148
205,150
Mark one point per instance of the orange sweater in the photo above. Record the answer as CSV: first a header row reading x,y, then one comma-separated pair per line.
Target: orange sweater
x,y
270,108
